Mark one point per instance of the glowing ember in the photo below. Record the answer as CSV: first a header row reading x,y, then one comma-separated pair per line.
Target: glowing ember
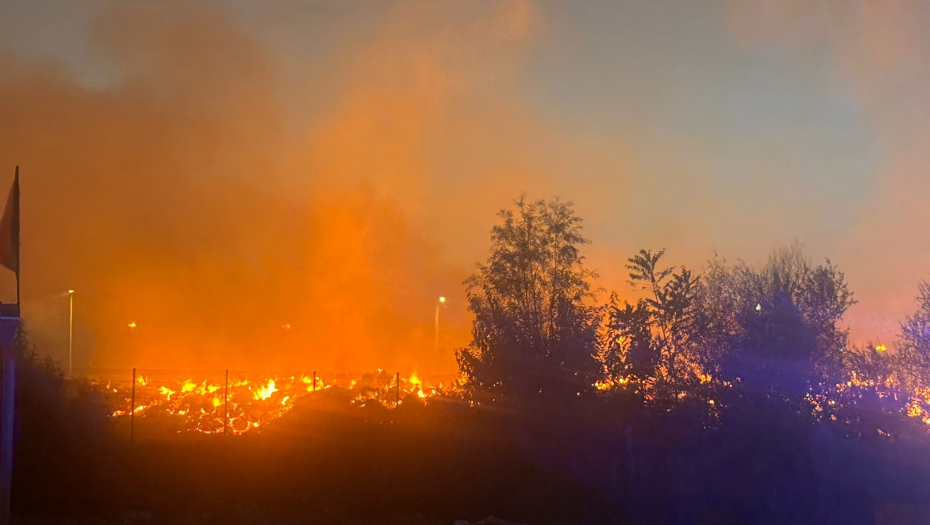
x,y
608,384
203,407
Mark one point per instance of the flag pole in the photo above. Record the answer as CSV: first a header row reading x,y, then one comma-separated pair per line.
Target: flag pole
x,y
9,324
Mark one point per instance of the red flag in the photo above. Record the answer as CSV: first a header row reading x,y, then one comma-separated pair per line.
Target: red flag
x,y
9,229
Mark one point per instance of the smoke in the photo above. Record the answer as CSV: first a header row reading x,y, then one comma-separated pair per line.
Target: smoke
x,y
180,197
246,220
878,51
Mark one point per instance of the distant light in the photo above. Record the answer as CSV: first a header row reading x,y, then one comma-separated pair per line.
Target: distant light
x,y
70,292
442,298
880,348
758,307
286,326
132,324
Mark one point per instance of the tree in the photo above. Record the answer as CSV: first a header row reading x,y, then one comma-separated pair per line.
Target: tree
x,y
775,326
654,337
534,330
912,349
870,363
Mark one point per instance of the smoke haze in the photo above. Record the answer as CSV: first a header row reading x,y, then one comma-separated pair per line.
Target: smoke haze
x,y
295,187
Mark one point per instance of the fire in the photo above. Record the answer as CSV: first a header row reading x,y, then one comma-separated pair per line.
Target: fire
x,y
165,391
243,405
266,391
313,383
608,384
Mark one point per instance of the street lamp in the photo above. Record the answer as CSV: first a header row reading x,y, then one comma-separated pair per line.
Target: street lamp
x,y
442,301
70,332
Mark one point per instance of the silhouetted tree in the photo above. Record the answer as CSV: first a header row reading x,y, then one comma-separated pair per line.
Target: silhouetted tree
x,y
534,331
64,450
912,349
775,326
654,337
870,363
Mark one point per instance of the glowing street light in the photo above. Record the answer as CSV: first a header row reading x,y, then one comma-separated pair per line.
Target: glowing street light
x,y
70,332
440,302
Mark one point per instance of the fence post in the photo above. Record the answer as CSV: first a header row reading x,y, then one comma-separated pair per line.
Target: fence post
x,y
313,388
226,404
132,409
397,389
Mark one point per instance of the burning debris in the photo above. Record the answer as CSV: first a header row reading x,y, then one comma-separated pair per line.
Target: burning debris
x,y
242,405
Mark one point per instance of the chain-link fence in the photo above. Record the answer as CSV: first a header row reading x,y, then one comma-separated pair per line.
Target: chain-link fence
x,y
166,402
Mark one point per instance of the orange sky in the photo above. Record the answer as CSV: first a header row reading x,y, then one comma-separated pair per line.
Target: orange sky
x,y
218,173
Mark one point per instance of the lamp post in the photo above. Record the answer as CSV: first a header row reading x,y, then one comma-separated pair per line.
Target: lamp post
x,y
70,332
131,344
441,301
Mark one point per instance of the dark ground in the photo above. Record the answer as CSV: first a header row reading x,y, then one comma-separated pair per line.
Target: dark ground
x,y
590,460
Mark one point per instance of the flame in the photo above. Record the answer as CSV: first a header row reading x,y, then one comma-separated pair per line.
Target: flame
x,y
266,391
311,386
244,406
610,383
205,407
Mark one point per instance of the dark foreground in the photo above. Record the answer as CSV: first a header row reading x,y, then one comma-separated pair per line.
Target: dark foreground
x,y
600,458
